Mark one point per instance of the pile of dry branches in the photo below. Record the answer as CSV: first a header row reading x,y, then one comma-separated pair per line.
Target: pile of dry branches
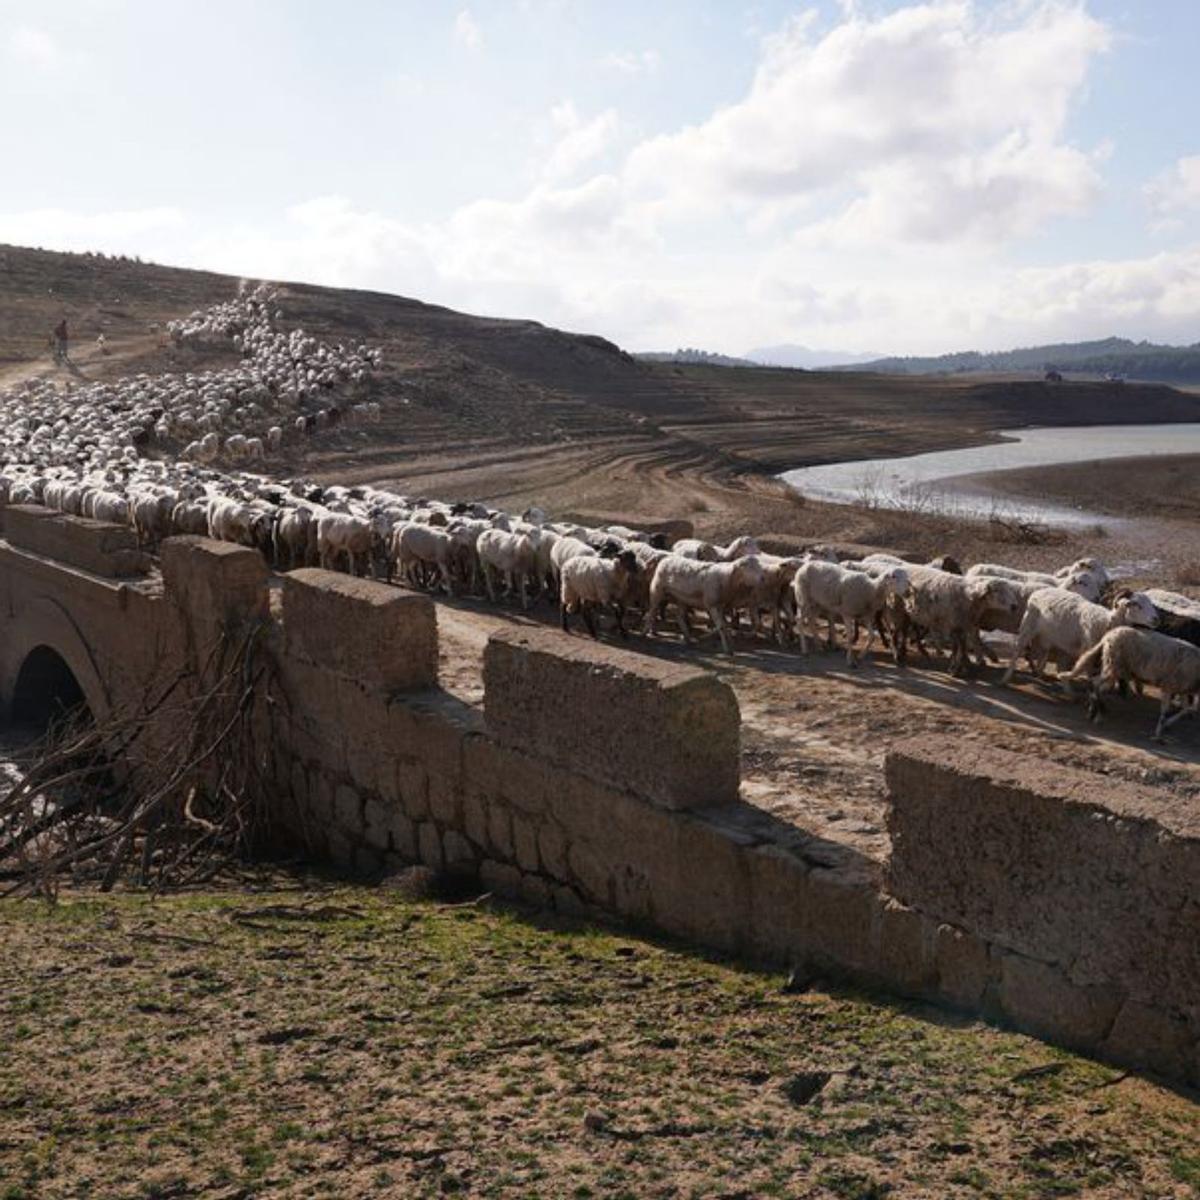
x,y
164,795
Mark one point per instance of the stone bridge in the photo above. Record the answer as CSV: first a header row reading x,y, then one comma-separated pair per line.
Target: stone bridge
x,y
605,783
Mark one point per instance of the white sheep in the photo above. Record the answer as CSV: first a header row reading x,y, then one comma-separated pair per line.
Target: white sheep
x,y
1141,656
825,588
593,582
713,587
951,608
509,554
1062,623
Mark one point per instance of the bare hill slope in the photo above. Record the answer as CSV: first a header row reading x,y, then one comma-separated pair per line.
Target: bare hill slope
x,y
512,410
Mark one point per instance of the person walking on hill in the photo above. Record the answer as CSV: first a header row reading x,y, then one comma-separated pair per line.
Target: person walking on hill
x,y
60,341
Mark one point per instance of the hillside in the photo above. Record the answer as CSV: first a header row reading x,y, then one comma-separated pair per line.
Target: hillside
x,y
1110,356
515,412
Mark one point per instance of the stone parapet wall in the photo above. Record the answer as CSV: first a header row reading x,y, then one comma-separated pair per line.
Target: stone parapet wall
x,y
110,551
1085,888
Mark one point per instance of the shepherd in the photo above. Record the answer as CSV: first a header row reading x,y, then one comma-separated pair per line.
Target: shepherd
x,y
60,341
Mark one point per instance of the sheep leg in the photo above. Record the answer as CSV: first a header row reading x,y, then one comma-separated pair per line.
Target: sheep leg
x,y
563,611
871,634
488,582
714,615
524,596
681,617
619,610
447,579
802,615
585,607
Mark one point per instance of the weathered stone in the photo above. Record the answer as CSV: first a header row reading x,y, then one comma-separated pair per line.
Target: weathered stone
x,y
402,835
1145,1037
1040,999
665,731
217,583
535,890
841,927
429,845
778,898
386,638
412,783
632,893
590,873
1054,863
962,965
458,851
368,861
525,843
499,878
98,547
499,834
347,809
552,850
906,948
475,819
567,901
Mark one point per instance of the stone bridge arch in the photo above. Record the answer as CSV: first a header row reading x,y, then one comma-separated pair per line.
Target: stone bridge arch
x,y
36,639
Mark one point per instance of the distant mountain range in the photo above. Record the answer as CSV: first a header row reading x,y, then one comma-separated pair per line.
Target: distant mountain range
x,y
1111,356
1149,361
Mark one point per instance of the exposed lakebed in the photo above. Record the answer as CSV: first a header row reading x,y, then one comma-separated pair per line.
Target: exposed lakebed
x,y
959,482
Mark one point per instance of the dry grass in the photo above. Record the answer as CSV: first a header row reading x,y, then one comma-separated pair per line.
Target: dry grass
x,y
313,1041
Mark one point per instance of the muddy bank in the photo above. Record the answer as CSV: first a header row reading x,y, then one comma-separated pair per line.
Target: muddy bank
x,y
1166,486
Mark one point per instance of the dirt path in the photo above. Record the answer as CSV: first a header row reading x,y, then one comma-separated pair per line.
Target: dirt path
x,y
815,732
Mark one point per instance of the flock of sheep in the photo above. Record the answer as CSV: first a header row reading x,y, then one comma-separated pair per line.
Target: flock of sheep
x,y
85,452
285,384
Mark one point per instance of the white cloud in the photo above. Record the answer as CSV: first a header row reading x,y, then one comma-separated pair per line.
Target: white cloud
x,y
1175,191
933,122
467,31
633,62
35,48
64,229
577,142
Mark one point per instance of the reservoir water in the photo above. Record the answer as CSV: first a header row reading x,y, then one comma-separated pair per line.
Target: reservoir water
x,y
942,480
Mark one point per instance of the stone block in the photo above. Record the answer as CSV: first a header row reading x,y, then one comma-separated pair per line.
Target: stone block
x,y
535,890
667,732
457,850
502,879
590,874
347,809
218,585
475,818
566,900
1150,1039
429,846
842,921
499,831
906,958
962,965
778,899
384,637
552,850
1041,1000
412,784
525,846
98,547
1056,864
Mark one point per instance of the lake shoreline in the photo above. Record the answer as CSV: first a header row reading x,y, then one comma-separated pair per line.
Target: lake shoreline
x,y
1159,485
1056,475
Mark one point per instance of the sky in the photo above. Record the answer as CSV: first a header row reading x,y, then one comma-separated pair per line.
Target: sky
x,y
862,175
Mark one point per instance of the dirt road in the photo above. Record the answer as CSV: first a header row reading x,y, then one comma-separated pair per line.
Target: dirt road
x,y
815,732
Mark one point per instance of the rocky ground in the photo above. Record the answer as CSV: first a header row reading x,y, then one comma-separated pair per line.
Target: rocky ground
x,y
296,1038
